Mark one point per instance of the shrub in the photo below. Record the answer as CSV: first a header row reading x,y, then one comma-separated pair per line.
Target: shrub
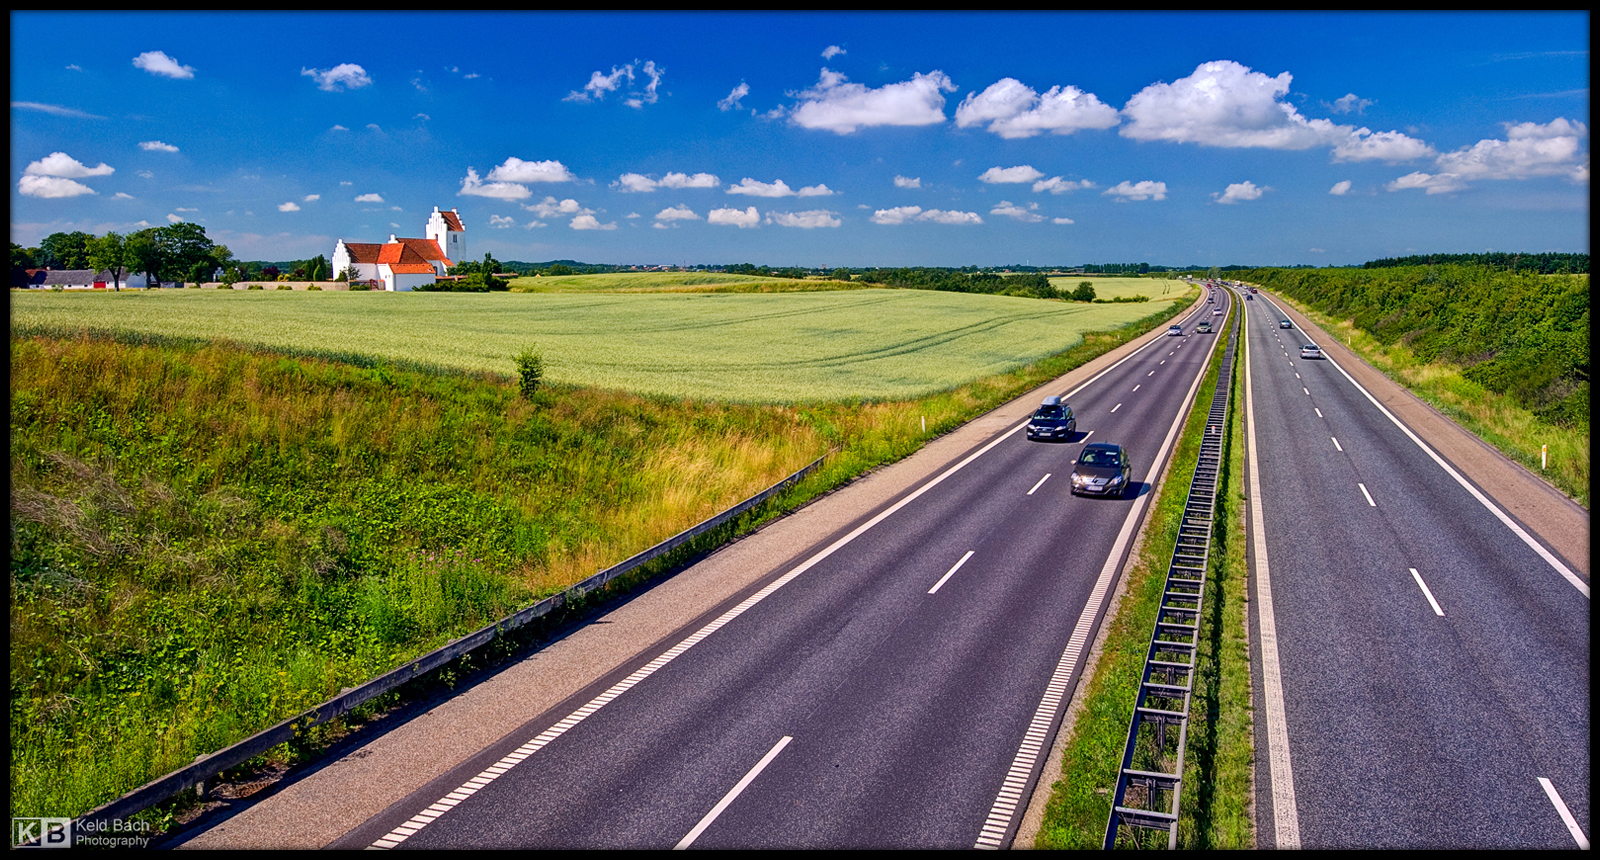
x,y
1084,292
314,287
259,287
530,366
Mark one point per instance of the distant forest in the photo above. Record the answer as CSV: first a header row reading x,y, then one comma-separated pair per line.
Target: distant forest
x,y
1544,264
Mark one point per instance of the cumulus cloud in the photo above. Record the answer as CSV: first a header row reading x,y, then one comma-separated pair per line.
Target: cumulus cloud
x,y
747,218
1062,221
517,170
600,84
473,185
831,51
1014,110
157,146
1530,150
1391,146
1012,210
374,198
903,214
777,188
589,222
312,198
501,221
1225,104
638,182
841,107
1145,190
1020,173
1340,188
806,220
1058,185
907,182
1239,192
348,76
677,213
158,63
1350,103
65,166
551,208
51,186
732,101
288,207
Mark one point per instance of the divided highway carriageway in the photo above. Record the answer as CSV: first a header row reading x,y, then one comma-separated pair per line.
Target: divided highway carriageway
x,y
897,685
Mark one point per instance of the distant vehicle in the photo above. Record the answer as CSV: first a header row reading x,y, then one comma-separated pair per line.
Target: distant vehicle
x,y
1285,324
1174,331
1210,298
1216,311
1310,350
1251,298
1203,327
1052,420
1103,470
1252,289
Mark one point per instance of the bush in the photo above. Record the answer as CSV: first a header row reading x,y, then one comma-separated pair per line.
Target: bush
x,y
278,287
1084,292
259,287
530,366
314,287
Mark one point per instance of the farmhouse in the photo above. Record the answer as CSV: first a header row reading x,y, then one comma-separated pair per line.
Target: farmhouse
x,y
79,279
400,265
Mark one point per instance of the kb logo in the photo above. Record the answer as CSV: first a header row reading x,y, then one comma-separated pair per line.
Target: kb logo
x,y
41,832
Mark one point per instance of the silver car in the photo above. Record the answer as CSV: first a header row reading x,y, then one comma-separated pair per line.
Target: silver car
x,y
1310,350
1102,469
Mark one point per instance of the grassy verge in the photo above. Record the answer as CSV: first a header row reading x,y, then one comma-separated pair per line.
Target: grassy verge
x,y
207,539
1214,813
1495,418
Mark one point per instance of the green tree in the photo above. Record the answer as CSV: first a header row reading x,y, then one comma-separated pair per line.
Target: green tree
x,y
530,367
1084,292
110,253
22,259
183,248
65,250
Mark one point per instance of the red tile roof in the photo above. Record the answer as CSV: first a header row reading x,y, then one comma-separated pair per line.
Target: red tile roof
x,y
363,252
411,268
452,221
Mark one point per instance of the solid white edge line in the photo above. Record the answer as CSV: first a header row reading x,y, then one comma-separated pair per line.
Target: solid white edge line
x,y
1427,593
1285,816
1006,806
951,571
1040,484
728,798
1370,502
1549,557
1566,814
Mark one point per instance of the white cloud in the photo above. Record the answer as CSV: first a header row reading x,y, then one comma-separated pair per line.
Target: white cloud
x,y
1013,110
551,208
123,195
1340,188
345,75
677,213
312,198
747,218
1239,192
732,101
1441,183
374,198
841,107
174,219
1058,185
806,220
815,191
777,188
501,221
51,186
634,182
1012,210
684,180
599,84
517,170
1020,173
1391,146
1530,150
649,96
589,222
55,109
907,182
1062,221
1350,103
63,165
1145,190
831,51
1225,104
902,214
289,207
157,146
158,63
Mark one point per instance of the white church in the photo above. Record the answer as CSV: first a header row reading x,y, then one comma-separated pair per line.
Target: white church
x,y
401,265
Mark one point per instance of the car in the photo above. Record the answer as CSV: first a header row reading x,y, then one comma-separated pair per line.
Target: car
x,y
1175,331
1052,420
1285,324
1102,469
1203,327
1310,350
1216,311
1210,299
1250,297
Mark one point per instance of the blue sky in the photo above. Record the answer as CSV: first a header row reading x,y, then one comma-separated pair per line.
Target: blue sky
x,y
820,139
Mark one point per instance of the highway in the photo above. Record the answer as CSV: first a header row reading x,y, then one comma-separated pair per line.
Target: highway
x,y
897,685
1422,670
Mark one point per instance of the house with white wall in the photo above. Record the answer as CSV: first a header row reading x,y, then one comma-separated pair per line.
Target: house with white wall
x,y
401,265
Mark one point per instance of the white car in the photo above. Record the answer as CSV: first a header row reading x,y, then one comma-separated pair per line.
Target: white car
x,y
1174,331
1310,350
1216,311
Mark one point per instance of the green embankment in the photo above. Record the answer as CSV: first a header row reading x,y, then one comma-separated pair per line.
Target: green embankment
x,y
208,538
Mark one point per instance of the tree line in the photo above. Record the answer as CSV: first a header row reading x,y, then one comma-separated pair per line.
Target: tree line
x,y
176,252
1546,263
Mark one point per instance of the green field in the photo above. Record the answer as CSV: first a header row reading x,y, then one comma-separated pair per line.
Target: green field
x,y
664,282
1109,289
786,347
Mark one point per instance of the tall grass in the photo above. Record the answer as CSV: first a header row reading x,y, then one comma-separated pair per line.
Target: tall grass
x,y
207,539
650,282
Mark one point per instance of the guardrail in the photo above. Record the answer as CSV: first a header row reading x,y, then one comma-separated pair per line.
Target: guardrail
x,y
1150,779
209,766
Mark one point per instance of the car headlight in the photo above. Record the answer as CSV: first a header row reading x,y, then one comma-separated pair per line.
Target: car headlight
x,y
1114,479
1077,478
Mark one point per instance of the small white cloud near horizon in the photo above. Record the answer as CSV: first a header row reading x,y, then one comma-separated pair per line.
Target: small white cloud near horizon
x,y
312,198
741,219
157,146
589,222
1011,210
158,63
1062,221
369,198
501,221
288,207
65,166
1058,185
843,108
1020,173
907,181
1238,192
348,76
1145,190
777,188
677,213
1530,151
1340,188
639,183
903,214
1014,110
807,220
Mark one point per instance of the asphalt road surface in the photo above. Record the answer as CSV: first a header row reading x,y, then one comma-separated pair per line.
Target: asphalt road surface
x,y
1430,681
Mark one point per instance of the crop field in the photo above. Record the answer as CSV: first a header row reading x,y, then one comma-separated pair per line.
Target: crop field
x,y
791,347
663,282
1123,288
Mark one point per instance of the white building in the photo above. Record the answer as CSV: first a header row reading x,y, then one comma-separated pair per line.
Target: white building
x,y
401,265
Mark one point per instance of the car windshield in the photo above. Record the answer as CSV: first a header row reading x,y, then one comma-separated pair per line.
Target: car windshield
x,y
1049,412
1098,458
